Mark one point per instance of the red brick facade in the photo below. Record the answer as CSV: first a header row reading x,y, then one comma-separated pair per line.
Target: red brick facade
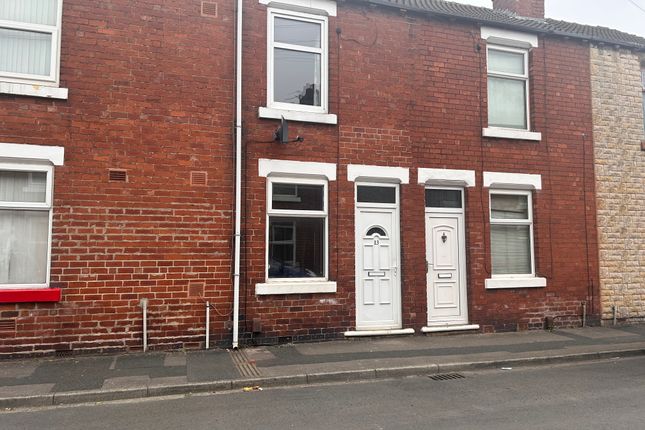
x,y
152,92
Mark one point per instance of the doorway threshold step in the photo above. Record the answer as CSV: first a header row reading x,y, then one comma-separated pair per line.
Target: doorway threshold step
x,y
437,329
393,332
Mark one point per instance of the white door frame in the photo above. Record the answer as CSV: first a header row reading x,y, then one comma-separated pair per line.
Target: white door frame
x,y
458,213
396,246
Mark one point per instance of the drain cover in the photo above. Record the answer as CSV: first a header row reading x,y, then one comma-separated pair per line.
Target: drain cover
x,y
447,376
244,366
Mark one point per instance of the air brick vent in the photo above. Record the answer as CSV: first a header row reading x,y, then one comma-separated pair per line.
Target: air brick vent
x,y
209,9
198,178
116,175
7,325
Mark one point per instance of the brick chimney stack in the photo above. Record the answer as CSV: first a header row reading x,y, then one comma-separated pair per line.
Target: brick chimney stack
x,y
532,8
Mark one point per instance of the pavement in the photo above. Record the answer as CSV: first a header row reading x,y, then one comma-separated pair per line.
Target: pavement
x,y
37,382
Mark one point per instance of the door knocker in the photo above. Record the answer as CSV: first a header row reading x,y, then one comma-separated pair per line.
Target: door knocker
x,y
444,238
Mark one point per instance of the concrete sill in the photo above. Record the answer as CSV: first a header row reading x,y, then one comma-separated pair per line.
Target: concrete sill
x,y
444,328
496,283
34,90
303,287
510,133
364,333
292,115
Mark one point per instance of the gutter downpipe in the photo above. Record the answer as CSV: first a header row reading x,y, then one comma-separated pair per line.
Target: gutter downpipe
x,y
238,174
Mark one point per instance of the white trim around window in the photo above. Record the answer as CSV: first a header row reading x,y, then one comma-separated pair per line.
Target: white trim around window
x,y
46,24
514,181
509,37
33,153
288,168
447,177
362,172
315,109
320,7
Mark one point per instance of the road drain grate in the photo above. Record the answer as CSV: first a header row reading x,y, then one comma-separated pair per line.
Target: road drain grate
x,y
243,365
447,376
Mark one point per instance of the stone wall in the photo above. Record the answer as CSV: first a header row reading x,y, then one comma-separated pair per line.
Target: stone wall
x,y
620,180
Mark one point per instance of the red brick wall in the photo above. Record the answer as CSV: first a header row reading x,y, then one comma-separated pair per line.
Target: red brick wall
x,y
150,91
407,92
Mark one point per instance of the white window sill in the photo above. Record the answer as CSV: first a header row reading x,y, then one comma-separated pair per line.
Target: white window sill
x,y
510,133
293,115
33,90
287,287
498,283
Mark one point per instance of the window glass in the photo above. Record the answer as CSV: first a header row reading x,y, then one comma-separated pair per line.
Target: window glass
x,y
369,194
506,62
20,186
510,249
298,197
296,247
443,198
509,206
26,52
29,11
295,32
297,77
24,246
507,103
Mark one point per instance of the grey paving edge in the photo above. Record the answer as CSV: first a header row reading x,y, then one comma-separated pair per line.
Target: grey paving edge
x,y
66,398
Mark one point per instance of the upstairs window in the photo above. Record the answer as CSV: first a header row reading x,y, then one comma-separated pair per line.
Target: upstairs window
x,y
508,87
30,41
297,61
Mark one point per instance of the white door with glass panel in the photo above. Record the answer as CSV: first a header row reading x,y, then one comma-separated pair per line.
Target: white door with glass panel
x,y
446,257
378,284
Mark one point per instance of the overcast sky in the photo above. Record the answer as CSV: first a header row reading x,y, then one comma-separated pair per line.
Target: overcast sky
x,y
624,15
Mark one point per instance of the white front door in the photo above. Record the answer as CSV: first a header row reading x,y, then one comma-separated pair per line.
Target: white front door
x,y
378,285
446,277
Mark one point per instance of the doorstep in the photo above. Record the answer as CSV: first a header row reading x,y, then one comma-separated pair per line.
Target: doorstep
x,y
393,332
443,328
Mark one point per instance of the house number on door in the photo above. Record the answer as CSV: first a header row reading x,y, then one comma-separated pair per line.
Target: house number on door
x,y
376,242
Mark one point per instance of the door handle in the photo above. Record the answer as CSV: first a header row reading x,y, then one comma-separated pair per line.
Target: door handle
x,y
395,269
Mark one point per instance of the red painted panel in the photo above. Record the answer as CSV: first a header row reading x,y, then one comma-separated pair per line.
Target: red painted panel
x,y
30,296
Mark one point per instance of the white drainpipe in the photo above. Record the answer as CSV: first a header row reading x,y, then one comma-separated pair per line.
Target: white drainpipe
x,y
238,174
208,324
144,306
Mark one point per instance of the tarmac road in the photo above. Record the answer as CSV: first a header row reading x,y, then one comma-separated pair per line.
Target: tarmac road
x,y
594,395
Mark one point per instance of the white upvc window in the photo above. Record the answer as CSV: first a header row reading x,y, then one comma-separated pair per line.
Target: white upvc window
x,y
30,41
297,226
508,87
511,234
25,225
297,61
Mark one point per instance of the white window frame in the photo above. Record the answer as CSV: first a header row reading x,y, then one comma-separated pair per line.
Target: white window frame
x,y
511,76
528,221
297,214
273,13
54,76
35,206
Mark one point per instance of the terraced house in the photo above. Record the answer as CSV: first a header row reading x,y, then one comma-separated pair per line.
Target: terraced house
x,y
296,170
